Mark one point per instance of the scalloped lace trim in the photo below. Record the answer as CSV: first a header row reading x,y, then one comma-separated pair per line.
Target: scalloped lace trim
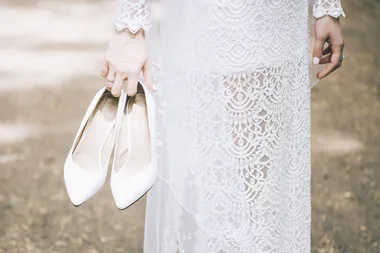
x,y
133,15
133,28
328,7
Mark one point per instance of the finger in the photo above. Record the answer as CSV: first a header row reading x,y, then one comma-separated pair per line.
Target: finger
x,y
327,50
325,59
110,78
148,77
333,65
105,68
318,50
132,85
118,84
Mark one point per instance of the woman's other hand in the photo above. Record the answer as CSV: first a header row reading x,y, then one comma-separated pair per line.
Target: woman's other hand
x,y
328,30
126,57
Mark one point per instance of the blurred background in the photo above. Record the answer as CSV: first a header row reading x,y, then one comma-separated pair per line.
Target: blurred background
x,y
50,57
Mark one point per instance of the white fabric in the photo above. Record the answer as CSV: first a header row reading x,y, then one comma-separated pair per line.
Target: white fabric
x,y
233,127
133,15
327,7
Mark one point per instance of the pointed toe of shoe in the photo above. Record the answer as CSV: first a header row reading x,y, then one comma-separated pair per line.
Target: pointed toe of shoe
x,y
77,199
81,184
127,190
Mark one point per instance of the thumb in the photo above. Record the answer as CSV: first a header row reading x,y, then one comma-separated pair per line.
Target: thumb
x,y
148,76
318,50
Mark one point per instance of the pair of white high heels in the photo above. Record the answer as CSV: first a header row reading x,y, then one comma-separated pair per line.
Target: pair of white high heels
x,y
126,127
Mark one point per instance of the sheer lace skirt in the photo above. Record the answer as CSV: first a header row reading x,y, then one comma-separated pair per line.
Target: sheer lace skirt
x,y
233,131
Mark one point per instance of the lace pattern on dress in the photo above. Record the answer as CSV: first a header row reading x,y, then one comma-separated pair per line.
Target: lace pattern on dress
x,y
233,128
133,15
327,7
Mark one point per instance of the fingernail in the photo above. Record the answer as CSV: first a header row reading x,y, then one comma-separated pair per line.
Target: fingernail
x,y
316,60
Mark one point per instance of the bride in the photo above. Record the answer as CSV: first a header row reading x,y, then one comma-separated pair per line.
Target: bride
x,y
232,88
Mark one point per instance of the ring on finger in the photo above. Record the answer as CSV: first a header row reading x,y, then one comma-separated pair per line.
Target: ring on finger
x,y
341,57
110,79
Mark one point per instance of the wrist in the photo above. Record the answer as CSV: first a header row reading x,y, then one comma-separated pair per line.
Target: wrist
x,y
140,34
326,19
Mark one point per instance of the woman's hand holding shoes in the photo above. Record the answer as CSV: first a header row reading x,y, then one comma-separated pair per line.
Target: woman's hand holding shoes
x,y
126,57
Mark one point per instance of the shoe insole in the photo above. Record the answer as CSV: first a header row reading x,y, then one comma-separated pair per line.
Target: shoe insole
x,y
133,151
96,142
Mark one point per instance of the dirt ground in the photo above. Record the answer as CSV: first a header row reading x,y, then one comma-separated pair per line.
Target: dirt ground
x,y
50,53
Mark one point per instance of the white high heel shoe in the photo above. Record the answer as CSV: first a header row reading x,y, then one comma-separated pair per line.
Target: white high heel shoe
x,y
134,169
86,166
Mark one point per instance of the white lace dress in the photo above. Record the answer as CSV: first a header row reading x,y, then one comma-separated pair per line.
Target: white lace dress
x,y
234,124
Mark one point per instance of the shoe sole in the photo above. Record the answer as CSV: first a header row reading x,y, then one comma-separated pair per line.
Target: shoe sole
x,y
76,205
137,199
127,206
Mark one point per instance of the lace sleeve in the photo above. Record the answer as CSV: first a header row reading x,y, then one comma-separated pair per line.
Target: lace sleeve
x,y
133,15
327,7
